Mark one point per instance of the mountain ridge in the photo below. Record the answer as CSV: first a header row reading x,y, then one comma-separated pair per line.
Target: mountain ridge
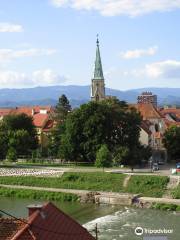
x,y
78,95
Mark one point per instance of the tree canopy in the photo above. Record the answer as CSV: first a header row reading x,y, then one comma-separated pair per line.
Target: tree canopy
x,y
108,122
17,135
172,142
62,108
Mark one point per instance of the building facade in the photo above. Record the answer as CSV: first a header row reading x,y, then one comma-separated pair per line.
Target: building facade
x,y
147,97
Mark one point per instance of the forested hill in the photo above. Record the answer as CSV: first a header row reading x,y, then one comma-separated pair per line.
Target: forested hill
x,y
78,95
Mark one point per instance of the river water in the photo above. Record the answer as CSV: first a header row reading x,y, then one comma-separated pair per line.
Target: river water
x,y
113,222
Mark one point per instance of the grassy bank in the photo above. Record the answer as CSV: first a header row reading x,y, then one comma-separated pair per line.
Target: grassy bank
x,y
33,194
149,186
176,192
166,207
85,181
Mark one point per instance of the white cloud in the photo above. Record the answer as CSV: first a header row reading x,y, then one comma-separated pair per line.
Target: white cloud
x,y
45,77
9,27
10,54
169,69
137,53
165,69
130,8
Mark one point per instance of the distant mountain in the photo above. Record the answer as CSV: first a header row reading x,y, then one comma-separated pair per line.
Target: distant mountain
x,y
78,95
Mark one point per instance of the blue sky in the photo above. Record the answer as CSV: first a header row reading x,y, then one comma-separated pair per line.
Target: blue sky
x,y
53,42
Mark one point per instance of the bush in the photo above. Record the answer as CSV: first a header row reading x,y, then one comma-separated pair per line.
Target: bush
x,y
166,207
11,154
34,194
103,157
150,186
176,192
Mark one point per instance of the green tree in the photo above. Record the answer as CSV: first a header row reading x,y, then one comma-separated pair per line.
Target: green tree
x,y
172,142
18,133
103,157
62,108
11,154
120,155
109,122
3,142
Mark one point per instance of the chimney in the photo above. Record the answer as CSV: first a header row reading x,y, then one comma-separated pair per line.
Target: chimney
x,y
33,208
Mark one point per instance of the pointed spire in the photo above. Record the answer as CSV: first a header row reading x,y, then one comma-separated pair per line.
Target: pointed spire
x,y
98,71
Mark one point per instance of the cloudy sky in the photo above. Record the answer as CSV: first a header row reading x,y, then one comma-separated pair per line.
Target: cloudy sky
x,y
53,42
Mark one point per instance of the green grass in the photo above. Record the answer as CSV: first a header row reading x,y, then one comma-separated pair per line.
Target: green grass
x,y
166,207
176,192
86,181
34,194
149,186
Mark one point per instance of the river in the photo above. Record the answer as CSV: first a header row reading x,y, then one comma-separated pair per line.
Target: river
x,y
114,222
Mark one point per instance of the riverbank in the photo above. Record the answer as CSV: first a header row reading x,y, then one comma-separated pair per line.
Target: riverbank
x,y
109,188
148,186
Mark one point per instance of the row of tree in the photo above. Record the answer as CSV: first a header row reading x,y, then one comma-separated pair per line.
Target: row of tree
x,y
105,133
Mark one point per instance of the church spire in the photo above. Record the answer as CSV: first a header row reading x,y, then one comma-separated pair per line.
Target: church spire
x,y
98,71
97,85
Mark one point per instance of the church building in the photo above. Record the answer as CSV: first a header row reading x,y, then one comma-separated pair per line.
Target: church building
x,y
98,85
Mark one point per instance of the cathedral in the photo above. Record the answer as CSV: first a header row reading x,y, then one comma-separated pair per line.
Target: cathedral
x,y
98,85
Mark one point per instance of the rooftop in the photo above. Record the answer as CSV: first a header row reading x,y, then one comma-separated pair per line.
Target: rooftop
x,y
44,223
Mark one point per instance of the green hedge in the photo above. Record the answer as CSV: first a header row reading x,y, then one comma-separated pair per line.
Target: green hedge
x,y
149,186
97,181
34,194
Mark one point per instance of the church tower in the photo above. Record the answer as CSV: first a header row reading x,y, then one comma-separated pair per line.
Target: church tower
x,y
97,85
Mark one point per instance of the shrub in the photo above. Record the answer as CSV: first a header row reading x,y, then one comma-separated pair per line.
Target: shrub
x,y
150,186
11,154
176,192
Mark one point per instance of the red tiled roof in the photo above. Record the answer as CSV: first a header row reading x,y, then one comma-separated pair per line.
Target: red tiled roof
x,y
32,109
5,111
147,110
9,227
50,223
40,119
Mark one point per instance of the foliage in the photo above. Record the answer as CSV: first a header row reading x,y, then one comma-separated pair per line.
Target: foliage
x,y
176,192
120,155
36,194
62,108
108,122
96,181
17,132
103,157
149,186
167,206
11,154
172,142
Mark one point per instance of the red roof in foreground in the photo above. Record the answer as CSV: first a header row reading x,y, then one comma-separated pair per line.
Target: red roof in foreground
x,y
47,223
